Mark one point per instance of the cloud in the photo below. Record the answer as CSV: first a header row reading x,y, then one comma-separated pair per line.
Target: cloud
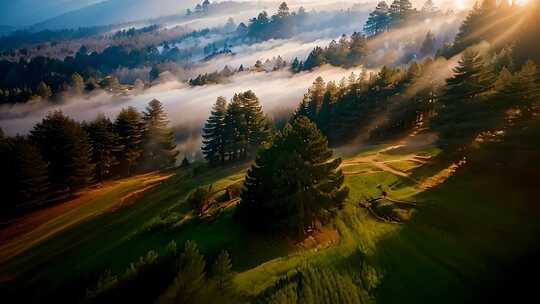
x,y
185,105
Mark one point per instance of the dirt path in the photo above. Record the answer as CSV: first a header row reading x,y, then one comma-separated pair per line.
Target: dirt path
x,y
378,160
32,229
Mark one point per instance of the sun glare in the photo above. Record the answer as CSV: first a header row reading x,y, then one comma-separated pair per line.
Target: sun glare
x,y
459,4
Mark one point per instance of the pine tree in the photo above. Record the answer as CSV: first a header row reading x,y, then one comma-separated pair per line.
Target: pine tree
x,y
358,50
65,146
325,114
235,137
315,98
105,146
222,272
315,59
128,126
159,141
522,91
257,125
43,90
378,20
191,275
400,11
468,80
246,127
295,65
461,114
293,183
213,147
24,175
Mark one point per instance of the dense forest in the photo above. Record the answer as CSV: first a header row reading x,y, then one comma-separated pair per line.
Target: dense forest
x,y
61,156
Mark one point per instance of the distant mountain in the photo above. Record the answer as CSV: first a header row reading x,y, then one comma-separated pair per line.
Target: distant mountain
x,y
6,30
116,11
27,12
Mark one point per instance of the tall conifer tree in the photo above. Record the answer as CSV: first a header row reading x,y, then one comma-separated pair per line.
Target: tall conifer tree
x,y
159,140
214,133
105,146
65,146
128,126
294,183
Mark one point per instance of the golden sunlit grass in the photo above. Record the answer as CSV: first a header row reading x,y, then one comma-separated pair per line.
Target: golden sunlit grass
x,y
41,225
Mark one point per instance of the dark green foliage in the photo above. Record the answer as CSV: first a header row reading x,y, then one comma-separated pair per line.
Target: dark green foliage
x,y
191,276
143,281
159,140
347,52
235,139
404,97
313,285
212,78
222,272
281,25
469,79
294,183
214,133
400,11
378,20
105,146
64,145
315,59
462,109
199,198
398,14
24,173
236,133
313,100
129,127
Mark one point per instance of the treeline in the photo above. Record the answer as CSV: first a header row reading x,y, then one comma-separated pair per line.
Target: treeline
x,y
399,13
21,80
61,156
235,130
352,106
347,52
397,99
212,78
269,65
18,39
283,24
173,277
133,32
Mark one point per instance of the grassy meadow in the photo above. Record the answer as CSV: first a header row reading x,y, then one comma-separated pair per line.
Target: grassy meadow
x,y
436,254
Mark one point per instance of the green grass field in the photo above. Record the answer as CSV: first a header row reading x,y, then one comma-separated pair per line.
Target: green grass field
x,y
453,240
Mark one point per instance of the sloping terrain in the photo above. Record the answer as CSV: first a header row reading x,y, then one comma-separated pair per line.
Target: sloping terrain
x,y
449,240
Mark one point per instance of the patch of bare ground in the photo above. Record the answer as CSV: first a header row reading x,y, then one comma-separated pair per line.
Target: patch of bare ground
x,y
320,238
